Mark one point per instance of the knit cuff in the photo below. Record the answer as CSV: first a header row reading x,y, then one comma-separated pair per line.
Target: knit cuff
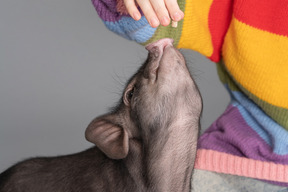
x,y
116,19
229,164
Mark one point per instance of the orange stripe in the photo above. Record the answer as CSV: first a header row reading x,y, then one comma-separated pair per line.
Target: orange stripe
x,y
258,60
195,32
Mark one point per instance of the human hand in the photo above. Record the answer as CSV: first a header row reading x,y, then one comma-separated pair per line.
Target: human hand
x,y
156,11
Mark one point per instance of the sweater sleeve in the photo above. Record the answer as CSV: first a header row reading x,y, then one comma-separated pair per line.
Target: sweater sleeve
x,y
250,37
202,29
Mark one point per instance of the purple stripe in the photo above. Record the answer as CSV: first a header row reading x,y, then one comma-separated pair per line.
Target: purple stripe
x,y
231,134
106,10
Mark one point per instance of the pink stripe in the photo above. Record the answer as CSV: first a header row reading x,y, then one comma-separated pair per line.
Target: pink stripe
x,y
229,164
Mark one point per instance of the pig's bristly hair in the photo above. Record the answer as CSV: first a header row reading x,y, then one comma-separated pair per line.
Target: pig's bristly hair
x,y
119,103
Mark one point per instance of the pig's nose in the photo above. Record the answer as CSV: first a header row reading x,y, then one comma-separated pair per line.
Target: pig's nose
x,y
160,44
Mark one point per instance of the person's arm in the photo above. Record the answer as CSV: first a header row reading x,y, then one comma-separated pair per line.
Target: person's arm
x,y
202,29
156,11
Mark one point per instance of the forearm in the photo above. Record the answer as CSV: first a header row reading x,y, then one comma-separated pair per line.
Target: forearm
x,y
193,32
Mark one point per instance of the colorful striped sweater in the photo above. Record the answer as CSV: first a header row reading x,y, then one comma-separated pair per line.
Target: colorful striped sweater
x,y
248,39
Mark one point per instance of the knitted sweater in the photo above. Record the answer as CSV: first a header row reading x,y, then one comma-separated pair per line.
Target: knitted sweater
x,y
248,39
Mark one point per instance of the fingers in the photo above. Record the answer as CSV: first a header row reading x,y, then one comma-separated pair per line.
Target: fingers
x,y
159,8
156,11
149,12
132,9
173,8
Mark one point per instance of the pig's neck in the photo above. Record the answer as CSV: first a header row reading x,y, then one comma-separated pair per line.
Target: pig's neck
x,y
167,159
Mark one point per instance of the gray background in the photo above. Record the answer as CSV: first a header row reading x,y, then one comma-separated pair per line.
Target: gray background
x,y
60,67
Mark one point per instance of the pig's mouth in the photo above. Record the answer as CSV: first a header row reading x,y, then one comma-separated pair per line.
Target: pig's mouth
x,y
160,44
157,51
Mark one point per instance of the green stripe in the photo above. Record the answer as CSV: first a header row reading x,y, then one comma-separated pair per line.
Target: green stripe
x,y
169,31
279,114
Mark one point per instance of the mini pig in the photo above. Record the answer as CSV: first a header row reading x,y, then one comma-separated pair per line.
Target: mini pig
x,y
147,143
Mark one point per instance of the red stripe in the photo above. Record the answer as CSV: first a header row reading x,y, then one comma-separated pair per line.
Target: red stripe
x,y
268,15
219,19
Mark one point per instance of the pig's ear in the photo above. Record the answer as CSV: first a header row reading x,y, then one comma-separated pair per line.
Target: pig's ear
x,y
109,137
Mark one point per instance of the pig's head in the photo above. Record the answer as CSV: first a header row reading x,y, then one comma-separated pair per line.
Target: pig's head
x,y
160,94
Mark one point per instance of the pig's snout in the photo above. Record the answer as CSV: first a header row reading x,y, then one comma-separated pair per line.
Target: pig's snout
x,y
163,60
160,44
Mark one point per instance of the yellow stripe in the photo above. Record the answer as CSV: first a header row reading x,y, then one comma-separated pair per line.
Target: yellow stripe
x,y
195,31
258,60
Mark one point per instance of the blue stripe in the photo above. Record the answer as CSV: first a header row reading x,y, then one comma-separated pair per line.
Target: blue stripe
x,y
271,132
139,31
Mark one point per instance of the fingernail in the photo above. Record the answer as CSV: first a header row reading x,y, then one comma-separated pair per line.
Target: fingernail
x,y
165,21
174,24
154,22
177,16
136,16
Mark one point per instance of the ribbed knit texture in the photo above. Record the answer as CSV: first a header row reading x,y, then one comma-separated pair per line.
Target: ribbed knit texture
x,y
230,164
249,40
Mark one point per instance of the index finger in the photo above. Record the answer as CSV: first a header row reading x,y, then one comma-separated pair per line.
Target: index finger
x,y
174,11
132,9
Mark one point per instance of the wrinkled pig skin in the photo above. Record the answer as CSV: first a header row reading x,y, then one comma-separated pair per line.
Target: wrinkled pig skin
x,y
146,143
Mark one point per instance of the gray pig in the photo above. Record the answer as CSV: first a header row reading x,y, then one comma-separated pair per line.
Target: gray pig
x,y
147,143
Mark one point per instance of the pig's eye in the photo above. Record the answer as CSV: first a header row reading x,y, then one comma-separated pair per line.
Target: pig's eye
x,y
129,94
